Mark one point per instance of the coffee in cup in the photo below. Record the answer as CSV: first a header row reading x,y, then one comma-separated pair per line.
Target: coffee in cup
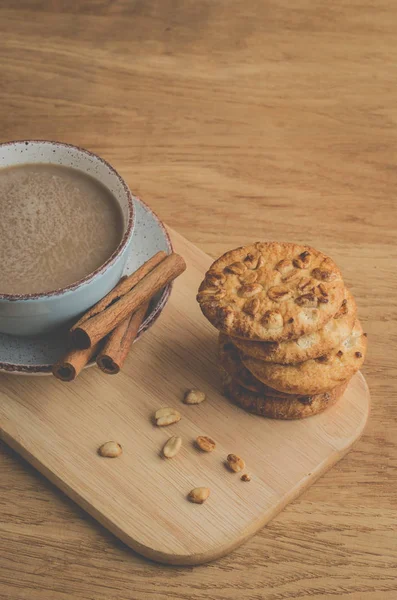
x,y
57,226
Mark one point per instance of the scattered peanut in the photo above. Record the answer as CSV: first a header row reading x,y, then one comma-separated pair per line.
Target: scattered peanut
x,y
166,416
172,447
235,463
163,412
194,397
205,443
245,477
110,450
168,420
199,495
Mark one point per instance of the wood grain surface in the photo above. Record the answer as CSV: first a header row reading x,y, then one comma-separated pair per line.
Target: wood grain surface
x,y
237,121
142,497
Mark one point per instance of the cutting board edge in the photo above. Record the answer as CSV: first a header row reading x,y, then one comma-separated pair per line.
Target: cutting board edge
x,y
218,552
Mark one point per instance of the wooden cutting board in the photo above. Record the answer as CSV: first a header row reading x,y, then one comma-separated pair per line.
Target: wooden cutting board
x,y
140,496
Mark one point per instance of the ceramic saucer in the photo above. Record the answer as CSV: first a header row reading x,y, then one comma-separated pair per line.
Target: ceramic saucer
x,y
22,355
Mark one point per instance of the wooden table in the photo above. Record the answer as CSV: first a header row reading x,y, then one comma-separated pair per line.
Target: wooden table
x,y
236,121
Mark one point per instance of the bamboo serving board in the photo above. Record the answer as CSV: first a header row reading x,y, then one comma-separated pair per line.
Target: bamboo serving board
x,y
140,496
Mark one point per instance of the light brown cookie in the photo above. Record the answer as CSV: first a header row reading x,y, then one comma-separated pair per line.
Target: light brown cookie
x,y
296,407
318,374
271,291
230,361
309,346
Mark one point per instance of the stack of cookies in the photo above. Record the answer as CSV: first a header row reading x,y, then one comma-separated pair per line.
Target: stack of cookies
x,y
289,339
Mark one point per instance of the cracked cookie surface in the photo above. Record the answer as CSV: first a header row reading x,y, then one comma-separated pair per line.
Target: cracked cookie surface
x,y
271,291
318,374
311,345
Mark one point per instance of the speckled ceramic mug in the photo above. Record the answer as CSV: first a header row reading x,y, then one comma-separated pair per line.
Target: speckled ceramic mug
x,y
30,314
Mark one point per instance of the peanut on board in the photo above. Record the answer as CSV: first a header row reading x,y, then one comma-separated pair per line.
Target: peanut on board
x,y
194,397
205,443
172,447
110,449
199,495
235,463
166,416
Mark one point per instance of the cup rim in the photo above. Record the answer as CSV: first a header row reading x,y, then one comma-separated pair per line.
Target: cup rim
x,y
117,252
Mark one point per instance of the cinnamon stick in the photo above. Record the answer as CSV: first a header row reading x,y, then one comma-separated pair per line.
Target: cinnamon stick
x,y
112,356
124,285
94,328
68,367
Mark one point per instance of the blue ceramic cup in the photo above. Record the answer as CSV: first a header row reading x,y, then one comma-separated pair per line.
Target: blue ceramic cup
x,y
30,314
